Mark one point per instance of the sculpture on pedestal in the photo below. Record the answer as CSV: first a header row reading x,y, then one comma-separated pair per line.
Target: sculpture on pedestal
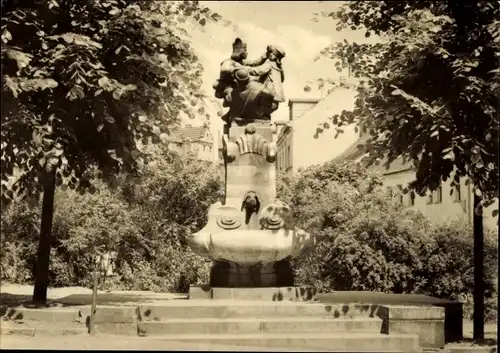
x,y
251,235
251,82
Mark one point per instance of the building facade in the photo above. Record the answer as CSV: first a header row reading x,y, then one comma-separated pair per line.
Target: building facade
x,y
197,139
298,146
446,203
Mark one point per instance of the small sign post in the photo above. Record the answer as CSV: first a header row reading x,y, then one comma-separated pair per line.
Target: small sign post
x,y
92,330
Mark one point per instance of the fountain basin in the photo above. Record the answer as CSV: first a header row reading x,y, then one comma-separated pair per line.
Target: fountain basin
x,y
249,246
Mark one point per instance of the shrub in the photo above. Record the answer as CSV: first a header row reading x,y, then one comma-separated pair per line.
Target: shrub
x,y
449,267
145,224
19,240
158,259
175,196
85,226
366,242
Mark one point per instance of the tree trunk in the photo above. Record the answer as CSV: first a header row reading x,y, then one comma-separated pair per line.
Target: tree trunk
x,y
43,254
478,270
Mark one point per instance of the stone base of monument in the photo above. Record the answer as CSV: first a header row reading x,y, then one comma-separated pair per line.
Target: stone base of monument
x,y
434,321
230,274
275,294
251,237
287,324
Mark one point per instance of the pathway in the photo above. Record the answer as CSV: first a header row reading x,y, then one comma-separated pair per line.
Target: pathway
x,y
115,342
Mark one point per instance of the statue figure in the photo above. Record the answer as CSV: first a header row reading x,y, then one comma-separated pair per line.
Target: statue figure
x,y
271,74
238,60
249,100
253,88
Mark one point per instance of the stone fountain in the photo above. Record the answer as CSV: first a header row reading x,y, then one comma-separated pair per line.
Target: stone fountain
x,y
251,236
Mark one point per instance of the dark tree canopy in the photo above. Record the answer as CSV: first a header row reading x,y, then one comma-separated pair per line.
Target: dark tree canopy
x,y
431,90
84,80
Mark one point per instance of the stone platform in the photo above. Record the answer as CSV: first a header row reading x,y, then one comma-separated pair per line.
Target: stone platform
x,y
263,323
452,310
290,317
295,293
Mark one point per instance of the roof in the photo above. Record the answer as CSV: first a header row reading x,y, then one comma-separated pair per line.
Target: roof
x,y
353,153
193,133
285,130
396,166
303,100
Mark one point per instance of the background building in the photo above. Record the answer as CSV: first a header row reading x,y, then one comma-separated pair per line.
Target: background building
x,y
440,205
298,147
198,139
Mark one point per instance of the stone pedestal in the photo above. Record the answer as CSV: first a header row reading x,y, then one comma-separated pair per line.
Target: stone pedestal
x,y
231,274
251,236
262,295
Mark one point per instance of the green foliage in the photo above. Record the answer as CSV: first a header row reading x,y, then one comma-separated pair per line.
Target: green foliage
x,y
182,182
430,90
145,224
452,252
171,185
84,80
367,242
86,226
18,241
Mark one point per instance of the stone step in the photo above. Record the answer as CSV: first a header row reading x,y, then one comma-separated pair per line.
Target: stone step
x,y
55,314
255,309
254,325
111,342
332,342
275,294
38,328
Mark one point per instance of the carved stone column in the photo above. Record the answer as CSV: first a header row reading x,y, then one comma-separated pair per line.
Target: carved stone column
x,y
250,236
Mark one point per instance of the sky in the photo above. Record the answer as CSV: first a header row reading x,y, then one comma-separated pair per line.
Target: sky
x,y
288,24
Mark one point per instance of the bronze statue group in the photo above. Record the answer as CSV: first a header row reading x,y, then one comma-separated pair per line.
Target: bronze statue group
x,y
252,89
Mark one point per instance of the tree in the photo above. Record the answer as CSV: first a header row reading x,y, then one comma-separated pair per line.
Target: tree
x,y
430,96
143,227
82,82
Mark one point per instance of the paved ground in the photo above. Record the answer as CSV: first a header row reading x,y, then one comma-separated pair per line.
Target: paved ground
x,y
115,342
14,294
490,330
52,293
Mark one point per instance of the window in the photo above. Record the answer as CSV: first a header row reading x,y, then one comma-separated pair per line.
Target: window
x,y
438,195
412,198
400,194
457,197
289,156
